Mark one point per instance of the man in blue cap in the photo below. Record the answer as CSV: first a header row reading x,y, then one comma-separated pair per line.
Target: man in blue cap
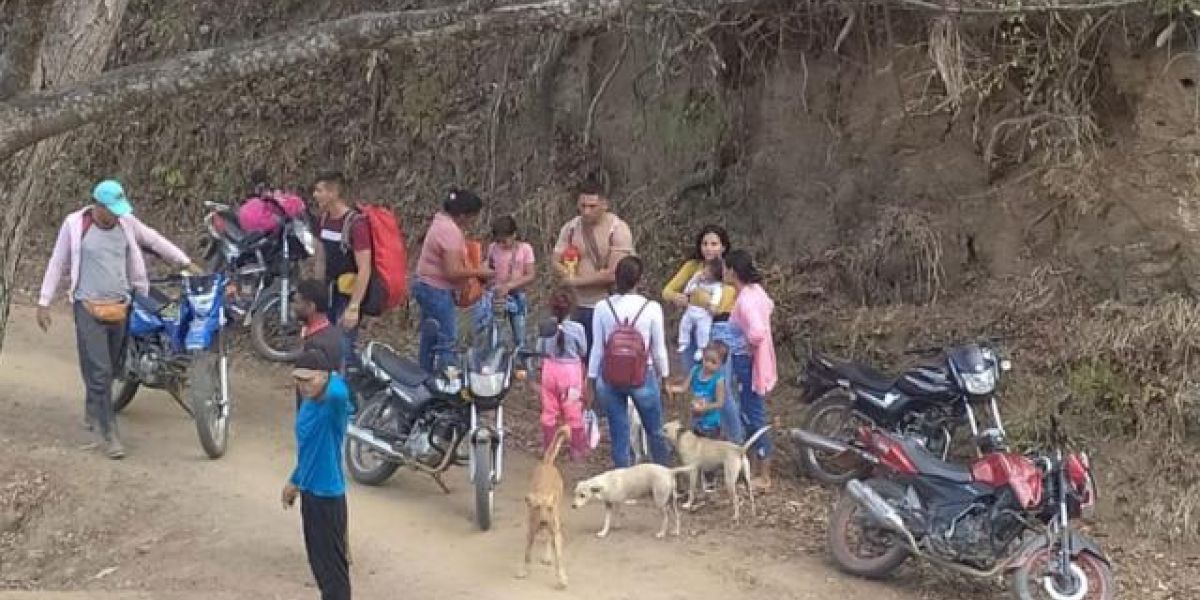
x,y
100,246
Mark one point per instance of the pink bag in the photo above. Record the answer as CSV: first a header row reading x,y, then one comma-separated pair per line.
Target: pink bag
x,y
264,214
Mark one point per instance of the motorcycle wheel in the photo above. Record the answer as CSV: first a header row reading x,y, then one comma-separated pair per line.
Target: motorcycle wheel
x,y
848,517
273,340
125,385
1030,580
485,489
832,416
209,411
364,464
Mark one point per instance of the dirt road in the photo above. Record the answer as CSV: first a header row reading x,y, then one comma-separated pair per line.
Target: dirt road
x,y
168,523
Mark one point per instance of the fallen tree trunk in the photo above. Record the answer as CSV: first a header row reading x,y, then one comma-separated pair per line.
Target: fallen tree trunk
x,y
28,118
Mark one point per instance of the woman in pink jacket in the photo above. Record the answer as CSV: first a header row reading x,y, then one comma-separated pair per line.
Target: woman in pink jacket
x,y
754,362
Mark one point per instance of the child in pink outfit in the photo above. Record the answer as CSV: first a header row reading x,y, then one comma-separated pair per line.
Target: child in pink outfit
x,y
563,352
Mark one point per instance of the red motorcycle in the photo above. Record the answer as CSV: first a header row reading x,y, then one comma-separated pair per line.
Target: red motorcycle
x,y
1005,513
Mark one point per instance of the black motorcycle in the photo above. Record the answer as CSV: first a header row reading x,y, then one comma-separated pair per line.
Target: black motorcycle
x,y
926,402
433,421
262,269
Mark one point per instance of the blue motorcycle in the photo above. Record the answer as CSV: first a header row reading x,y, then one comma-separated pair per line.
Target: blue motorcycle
x,y
177,344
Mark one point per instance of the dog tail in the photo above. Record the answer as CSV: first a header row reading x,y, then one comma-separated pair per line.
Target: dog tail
x,y
552,451
754,438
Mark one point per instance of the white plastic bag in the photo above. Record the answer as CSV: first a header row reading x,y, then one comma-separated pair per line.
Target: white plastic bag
x,y
591,426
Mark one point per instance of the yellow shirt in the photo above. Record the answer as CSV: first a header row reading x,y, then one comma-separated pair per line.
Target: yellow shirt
x,y
674,289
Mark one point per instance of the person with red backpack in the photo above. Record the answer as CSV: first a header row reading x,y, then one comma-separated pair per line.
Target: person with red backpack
x,y
344,258
629,360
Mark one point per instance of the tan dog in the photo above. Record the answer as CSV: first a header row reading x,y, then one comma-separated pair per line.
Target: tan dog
x,y
618,485
545,494
700,454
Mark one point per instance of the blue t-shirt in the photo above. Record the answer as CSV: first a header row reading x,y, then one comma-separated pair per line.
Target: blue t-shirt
x,y
706,390
320,431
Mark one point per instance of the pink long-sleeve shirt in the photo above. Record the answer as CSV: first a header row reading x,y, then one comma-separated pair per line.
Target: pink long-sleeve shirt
x,y
752,316
137,234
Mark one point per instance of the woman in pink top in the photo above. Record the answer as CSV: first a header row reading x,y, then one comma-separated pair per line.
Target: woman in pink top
x,y
441,269
754,367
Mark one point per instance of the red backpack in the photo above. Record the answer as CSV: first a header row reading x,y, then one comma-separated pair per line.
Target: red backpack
x,y
625,353
389,254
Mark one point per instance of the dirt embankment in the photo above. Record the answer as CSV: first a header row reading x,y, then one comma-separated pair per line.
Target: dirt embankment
x,y
904,180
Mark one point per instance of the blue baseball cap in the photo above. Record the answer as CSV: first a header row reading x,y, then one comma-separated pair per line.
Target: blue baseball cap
x,y
111,195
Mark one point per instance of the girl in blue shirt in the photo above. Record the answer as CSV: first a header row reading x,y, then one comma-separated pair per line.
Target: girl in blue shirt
x,y
708,391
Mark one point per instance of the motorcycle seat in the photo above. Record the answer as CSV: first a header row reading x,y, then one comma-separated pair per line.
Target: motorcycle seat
x,y
230,228
928,464
154,302
863,375
402,370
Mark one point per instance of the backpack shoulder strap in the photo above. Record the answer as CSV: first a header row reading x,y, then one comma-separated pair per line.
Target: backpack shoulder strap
x,y
612,309
640,311
347,223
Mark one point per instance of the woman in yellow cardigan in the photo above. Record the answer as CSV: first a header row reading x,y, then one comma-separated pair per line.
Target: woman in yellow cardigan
x,y
712,242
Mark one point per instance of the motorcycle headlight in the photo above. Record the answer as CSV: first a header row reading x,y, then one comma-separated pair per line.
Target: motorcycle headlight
x,y
978,384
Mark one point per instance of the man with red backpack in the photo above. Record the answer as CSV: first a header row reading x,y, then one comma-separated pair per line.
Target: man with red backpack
x,y
629,361
361,257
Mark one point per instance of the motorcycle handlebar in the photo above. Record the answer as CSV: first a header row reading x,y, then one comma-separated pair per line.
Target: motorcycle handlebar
x,y
176,278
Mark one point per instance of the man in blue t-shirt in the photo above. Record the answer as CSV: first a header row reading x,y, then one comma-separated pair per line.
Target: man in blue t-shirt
x,y
318,479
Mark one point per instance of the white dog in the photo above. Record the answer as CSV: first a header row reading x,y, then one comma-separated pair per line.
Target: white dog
x,y
618,485
699,454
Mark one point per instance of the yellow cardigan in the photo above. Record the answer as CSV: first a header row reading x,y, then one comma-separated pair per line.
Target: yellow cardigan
x,y
674,289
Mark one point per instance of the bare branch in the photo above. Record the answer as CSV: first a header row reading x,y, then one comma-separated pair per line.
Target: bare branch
x,y
956,7
29,118
612,71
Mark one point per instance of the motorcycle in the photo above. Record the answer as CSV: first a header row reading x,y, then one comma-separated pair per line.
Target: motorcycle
x,y
261,269
176,343
432,421
1006,513
926,402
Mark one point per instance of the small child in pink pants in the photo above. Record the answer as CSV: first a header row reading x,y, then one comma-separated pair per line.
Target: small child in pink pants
x,y
563,354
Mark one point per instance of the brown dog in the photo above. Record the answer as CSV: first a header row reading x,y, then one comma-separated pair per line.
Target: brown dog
x,y
545,493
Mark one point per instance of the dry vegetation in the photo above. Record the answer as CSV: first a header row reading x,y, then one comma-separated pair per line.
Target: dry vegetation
x,y
1031,95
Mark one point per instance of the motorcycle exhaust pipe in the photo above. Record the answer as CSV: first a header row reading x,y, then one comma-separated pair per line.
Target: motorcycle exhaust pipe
x,y
366,437
830,445
889,517
883,512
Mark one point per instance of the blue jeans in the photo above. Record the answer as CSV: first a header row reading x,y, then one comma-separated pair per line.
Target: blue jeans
x,y
516,307
337,307
754,406
437,304
648,402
